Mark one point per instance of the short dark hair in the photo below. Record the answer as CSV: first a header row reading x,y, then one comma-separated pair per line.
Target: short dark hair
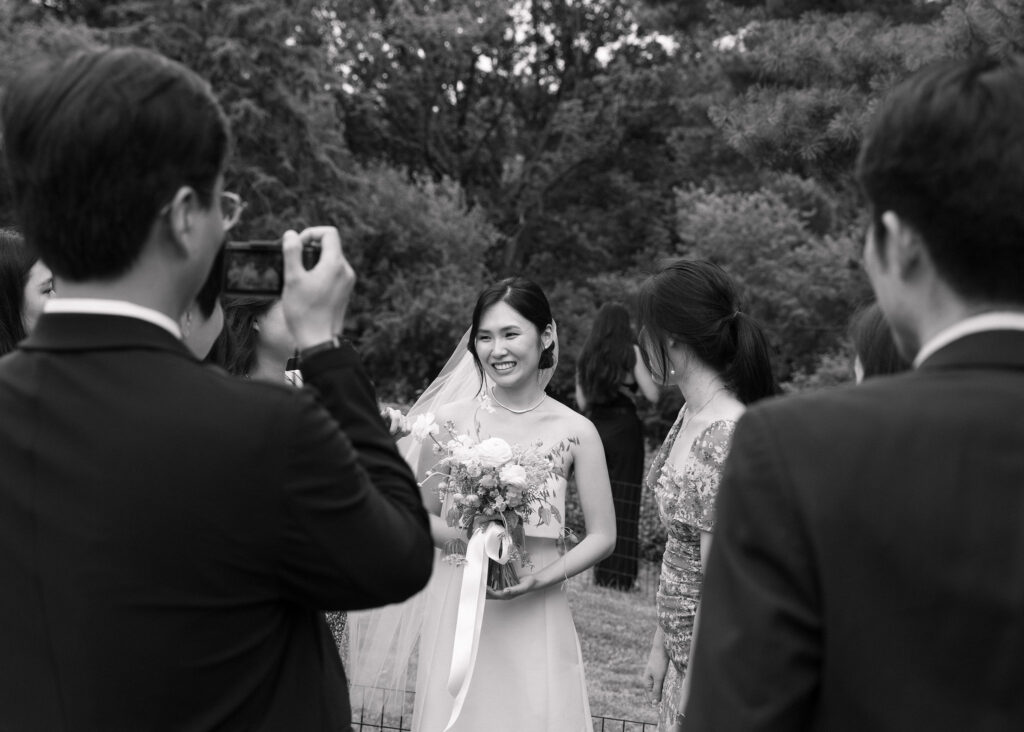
x,y
607,355
945,152
526,298
873,343
16,260
97,143
694,302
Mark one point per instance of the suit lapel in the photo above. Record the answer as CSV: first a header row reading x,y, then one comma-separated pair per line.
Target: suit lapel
x,y
996,349
90,332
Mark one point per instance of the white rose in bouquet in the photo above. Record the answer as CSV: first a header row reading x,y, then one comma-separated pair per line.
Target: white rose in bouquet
x,y
514,475
424,426
461,450
493,452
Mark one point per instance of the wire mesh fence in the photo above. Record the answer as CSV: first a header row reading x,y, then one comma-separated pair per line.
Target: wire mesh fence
x,y
385,710
601,724
611,724
635,565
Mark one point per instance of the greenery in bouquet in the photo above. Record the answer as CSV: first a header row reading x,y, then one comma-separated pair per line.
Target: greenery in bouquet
x,y
489,480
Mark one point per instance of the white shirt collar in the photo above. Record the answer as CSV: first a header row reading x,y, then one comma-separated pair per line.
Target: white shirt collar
x,y
1002,320
123,308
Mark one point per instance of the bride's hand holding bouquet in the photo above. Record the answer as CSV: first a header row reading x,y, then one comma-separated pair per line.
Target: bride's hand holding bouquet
x,y
490,481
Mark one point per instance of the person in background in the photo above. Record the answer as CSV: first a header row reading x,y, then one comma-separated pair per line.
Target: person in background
x,y
868,566
609,373
696,337
526,638
25,286
875,351
256,342
172,537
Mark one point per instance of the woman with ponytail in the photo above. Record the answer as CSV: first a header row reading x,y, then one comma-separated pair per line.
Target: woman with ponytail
x,y
695,336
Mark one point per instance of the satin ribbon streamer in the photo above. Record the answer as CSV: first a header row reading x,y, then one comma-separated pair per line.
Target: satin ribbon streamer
x,y
489,542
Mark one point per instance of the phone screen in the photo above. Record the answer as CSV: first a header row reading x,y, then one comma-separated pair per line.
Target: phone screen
x,y
253,268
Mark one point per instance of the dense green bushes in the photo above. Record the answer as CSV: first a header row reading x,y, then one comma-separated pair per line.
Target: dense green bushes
x,y
457,142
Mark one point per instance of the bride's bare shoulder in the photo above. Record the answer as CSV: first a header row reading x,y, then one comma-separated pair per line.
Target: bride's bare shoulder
x,y
574,422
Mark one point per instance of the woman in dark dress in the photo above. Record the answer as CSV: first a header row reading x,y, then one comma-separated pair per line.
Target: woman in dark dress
x,y
608,376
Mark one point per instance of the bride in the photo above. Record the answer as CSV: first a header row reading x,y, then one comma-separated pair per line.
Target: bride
x,y
524,670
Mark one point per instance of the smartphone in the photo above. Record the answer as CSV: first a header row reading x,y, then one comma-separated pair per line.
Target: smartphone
x,y
257,267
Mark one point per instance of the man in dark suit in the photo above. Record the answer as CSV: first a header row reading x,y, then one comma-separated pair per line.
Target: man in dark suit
x,y
170,536
868,565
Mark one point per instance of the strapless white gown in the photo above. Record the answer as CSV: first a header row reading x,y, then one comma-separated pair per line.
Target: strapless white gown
x,y
528,675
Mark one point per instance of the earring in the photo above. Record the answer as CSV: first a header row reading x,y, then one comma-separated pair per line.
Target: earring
x,y
671,371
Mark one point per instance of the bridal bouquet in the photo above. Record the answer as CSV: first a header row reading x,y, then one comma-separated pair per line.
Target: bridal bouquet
x,y
491,480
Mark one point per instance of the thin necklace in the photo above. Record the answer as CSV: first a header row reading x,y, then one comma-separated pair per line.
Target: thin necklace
x,y
691,415
517,411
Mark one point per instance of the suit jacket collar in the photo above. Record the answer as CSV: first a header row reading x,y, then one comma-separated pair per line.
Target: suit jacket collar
x,y
997,349
91,332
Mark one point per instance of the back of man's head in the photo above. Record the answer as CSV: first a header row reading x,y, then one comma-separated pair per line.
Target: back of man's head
x,y
946,153
97,144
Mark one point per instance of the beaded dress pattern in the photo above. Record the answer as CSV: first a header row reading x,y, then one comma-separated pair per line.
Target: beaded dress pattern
x,y
685,491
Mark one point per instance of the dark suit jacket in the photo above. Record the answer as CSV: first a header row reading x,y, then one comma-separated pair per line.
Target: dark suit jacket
x,y
170,535
867,570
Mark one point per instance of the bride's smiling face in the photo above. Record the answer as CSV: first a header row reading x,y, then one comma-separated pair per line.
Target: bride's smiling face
x,y
508,345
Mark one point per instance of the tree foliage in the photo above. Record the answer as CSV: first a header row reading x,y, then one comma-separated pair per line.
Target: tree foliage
x,y
548,112
419,253
574,141
804,78
799,284
417,246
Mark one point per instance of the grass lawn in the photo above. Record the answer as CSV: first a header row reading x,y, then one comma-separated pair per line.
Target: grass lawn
x,y
615,630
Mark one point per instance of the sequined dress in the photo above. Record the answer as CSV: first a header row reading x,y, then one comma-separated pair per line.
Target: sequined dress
x,y
685,490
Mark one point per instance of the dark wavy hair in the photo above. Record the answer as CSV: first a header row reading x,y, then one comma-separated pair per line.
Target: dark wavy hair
x,y
526,298
607,356
16,260
873,343
235,347
694,302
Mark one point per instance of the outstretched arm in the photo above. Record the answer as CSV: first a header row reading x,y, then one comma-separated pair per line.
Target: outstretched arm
x,y
598,511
